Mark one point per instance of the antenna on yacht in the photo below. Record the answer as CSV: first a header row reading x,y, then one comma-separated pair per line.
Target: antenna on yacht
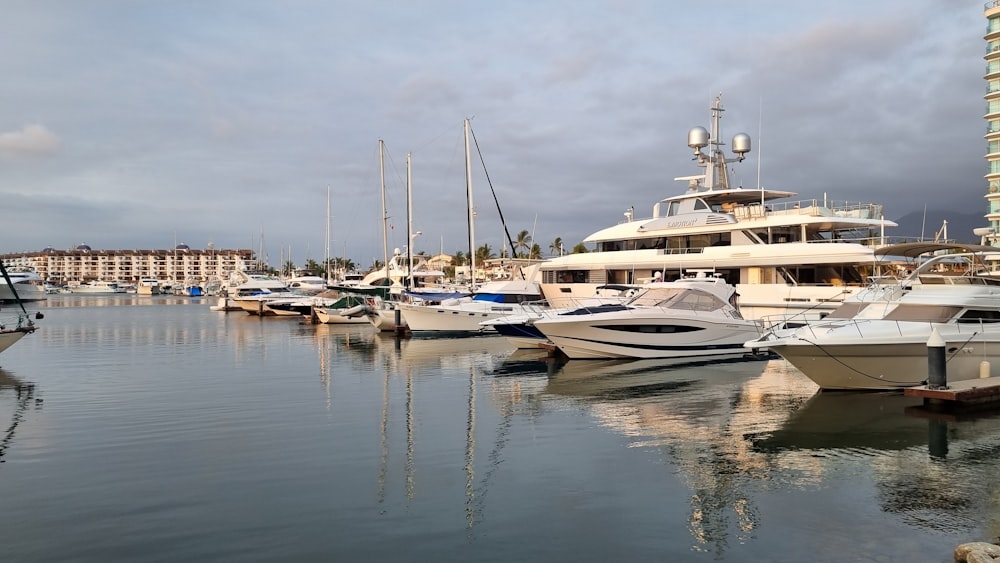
x,y
760,135
714,163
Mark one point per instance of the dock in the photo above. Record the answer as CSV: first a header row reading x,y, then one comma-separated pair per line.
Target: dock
x,y
981,392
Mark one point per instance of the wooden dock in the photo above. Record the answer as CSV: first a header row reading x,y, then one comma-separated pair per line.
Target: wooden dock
x,y
979,393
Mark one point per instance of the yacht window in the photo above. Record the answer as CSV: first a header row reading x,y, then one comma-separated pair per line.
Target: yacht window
x,y
672,209
700,205
923,313
677,298
847,310
975,316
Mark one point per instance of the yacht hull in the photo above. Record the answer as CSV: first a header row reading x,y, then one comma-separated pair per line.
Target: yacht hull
x,y
890,362
9,337
642,335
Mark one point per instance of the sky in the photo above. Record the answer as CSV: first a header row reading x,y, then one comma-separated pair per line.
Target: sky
x,y
142,124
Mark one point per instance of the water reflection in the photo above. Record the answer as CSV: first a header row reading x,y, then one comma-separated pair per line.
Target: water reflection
x,y
832,420
733,428
23,398
732,432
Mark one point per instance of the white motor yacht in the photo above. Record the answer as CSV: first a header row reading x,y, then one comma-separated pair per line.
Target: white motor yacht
x,y
879,339
687,318
148,286
27,283
98,286
783,255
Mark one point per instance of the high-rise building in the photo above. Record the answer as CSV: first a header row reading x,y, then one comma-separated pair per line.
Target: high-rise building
x,y
991,234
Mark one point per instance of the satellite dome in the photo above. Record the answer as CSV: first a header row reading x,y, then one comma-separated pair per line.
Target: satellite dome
x,y
82,247
182,246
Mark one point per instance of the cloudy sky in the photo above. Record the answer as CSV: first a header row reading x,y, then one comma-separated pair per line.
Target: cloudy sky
x,y
141,124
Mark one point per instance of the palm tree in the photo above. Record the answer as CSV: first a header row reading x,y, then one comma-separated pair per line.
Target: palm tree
x,y
484,253
288,268
580,248
523,242
459,258
556,247
313,266
376,265
536,252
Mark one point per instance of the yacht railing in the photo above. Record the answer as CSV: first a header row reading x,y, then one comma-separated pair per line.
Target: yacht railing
x,y
867,328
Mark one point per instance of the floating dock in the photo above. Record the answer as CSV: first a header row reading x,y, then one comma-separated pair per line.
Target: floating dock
x,y
981,392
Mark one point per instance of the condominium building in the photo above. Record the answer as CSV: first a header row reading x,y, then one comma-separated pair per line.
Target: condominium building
x,y
82,264
991,234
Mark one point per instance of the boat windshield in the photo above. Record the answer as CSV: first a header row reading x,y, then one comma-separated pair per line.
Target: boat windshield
x,y
678,298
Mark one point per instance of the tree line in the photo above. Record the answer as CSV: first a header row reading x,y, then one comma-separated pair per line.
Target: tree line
x,y
524,247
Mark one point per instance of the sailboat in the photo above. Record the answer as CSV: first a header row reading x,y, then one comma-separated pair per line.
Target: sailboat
x,y
493,300
23,324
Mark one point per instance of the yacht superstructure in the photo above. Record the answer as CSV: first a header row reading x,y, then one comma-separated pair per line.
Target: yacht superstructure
x,y
784,256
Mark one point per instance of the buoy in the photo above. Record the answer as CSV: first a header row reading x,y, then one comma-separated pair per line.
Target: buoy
x,y
984,369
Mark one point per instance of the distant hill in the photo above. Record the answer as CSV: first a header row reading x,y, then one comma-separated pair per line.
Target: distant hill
x,y
960,225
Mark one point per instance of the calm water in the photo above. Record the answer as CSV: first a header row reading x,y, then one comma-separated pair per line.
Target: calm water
x,y
153,429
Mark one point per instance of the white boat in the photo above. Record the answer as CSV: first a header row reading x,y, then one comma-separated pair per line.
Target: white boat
x,y
98,286
783,256
879,339
520,329
306,283
148,286
687,318
250,291
27,283
22,323
491,301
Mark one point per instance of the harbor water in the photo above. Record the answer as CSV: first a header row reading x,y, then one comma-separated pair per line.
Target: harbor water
x,y
150,428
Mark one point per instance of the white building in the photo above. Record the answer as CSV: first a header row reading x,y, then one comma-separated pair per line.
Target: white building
x,y
83,263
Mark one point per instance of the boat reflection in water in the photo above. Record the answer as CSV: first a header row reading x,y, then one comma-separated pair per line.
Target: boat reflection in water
x,y
736,439
846,420
16,399
736,430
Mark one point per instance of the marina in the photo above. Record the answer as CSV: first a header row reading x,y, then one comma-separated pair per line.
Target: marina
x,y
149,427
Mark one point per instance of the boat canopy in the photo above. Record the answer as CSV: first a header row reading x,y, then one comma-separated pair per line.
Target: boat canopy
x,y
736,196
914,249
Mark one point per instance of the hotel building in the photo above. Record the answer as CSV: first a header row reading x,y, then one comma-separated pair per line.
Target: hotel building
x,y
82,264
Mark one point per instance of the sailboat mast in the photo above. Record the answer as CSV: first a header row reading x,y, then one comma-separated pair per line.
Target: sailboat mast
x,y
472,214
326,248
409,224
385,217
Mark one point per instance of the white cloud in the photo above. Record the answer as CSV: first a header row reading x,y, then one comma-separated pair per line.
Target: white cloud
x,y
30,140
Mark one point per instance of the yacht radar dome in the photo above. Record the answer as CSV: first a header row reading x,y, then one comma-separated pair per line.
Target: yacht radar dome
x,y
741,145
698,138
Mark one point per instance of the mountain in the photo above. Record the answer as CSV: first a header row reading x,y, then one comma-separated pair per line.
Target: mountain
x,y
916,226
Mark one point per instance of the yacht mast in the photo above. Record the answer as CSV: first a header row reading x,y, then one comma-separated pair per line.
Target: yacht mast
x,y
326,248
409,225
472,213
385,217
716,174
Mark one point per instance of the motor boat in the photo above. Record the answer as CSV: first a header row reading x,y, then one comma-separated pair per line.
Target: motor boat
x,y
879,339
687,318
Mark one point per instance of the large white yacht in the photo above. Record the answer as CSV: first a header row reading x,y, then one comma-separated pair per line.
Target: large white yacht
x,y
784,256
27,284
